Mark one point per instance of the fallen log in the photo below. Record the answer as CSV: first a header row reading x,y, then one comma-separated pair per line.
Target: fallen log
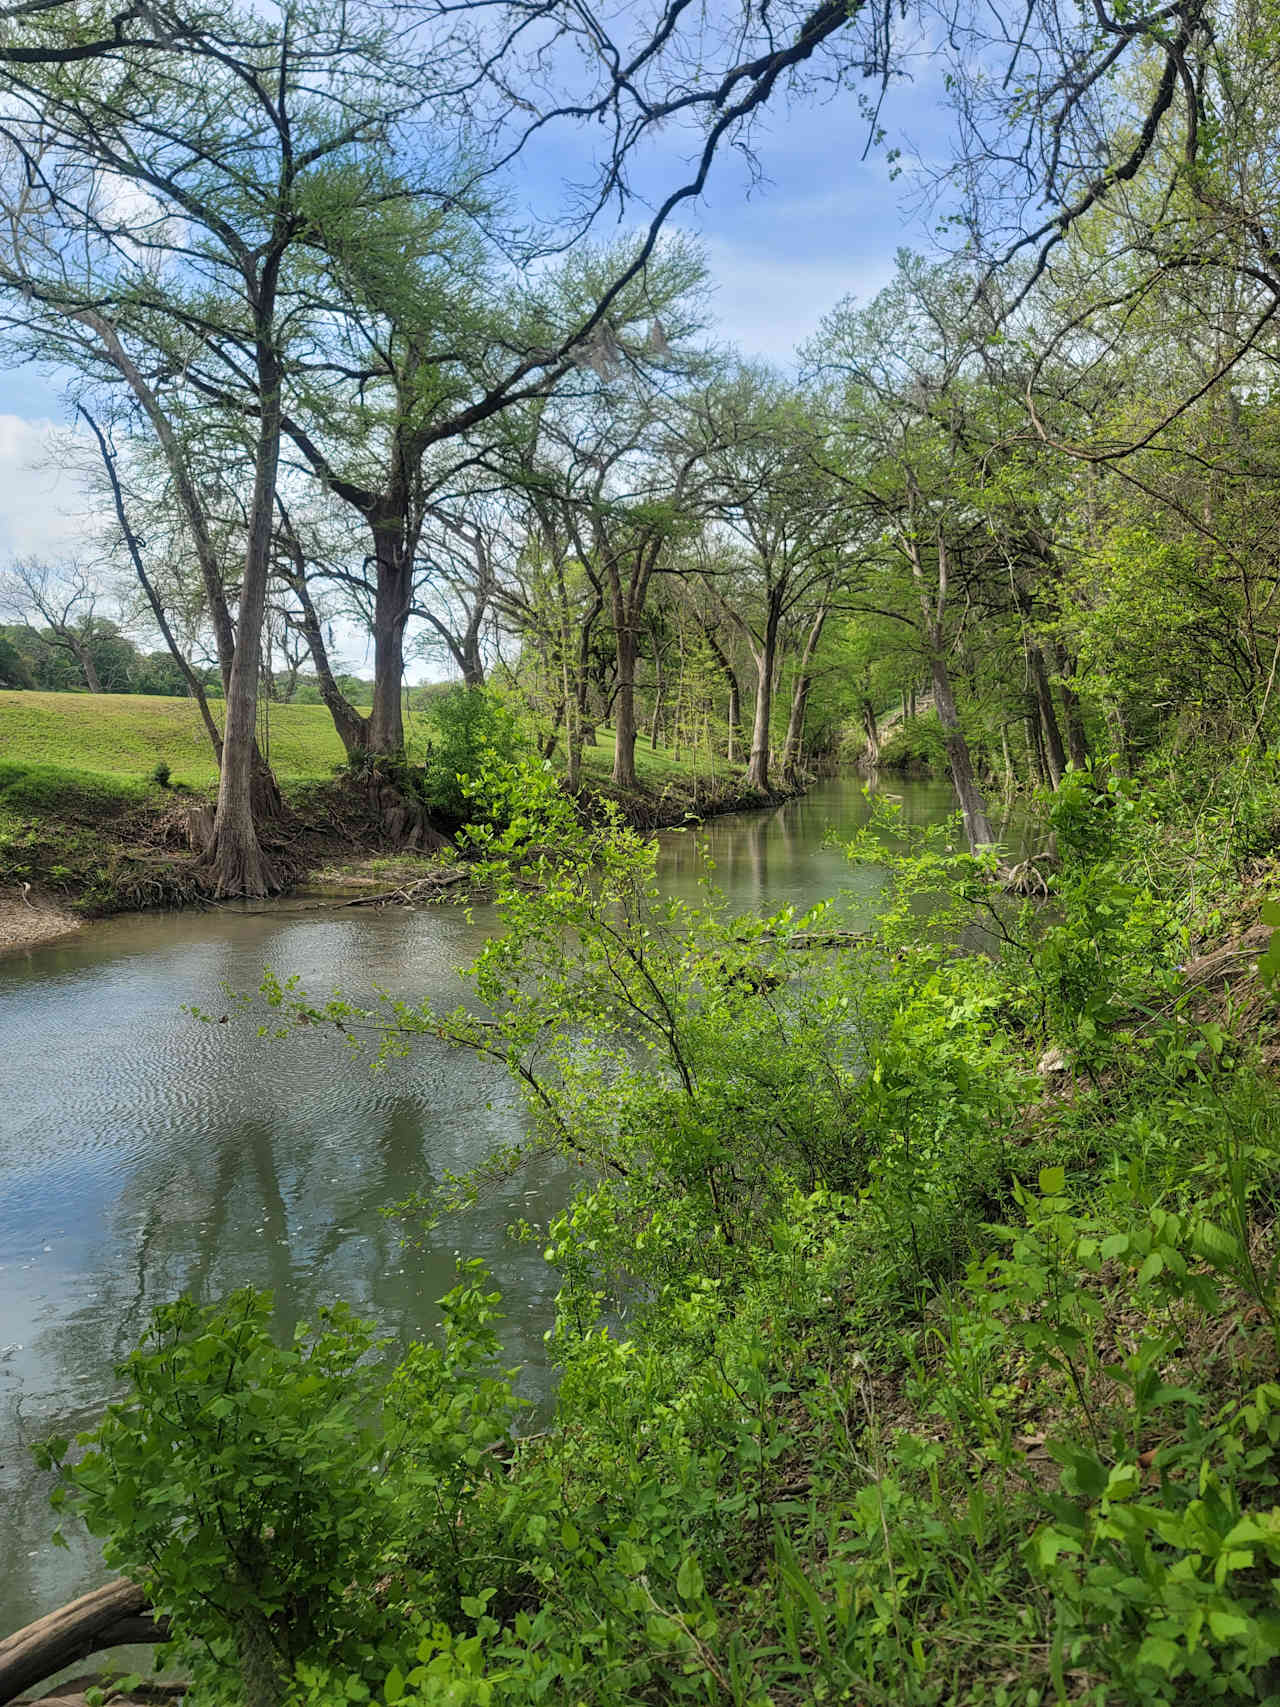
x,y
109,1617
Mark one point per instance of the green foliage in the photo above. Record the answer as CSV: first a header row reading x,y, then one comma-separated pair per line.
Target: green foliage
x,y
260,1491
895,1366
466,727
240,1480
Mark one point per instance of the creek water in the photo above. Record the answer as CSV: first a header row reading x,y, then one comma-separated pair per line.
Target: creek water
x,y
144,1152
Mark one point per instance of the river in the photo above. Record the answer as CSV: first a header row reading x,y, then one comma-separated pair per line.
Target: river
x,y
146,1153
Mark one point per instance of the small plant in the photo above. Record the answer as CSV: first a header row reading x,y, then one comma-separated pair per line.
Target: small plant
x,y
241,1482
161,773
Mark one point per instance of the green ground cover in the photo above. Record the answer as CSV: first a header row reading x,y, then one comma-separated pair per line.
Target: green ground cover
x,y
81,811
657,770
127,735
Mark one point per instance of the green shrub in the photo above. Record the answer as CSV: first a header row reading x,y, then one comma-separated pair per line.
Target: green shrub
x,y
466,728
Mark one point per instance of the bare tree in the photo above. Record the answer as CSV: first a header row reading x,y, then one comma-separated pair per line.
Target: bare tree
x,y
63,597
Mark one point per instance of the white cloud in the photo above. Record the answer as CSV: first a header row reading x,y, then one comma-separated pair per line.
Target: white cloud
x,y
766,305
46,508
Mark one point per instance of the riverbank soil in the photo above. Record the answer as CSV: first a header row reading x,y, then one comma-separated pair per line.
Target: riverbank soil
x,y
27,923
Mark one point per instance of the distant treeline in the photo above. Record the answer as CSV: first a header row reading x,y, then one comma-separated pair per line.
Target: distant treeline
x,y
39,658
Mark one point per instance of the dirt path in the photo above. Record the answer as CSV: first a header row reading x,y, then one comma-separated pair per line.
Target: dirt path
x,y
27,924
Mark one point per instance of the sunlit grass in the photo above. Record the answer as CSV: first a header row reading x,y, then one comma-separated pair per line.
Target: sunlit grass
x,y
127,735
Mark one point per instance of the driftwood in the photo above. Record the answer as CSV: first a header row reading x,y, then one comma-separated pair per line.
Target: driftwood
x,y
109,1617
429,888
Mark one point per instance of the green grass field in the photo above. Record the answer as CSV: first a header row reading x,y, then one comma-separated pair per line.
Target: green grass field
x,y
125,736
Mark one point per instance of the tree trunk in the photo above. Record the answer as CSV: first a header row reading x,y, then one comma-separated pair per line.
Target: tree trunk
x,y
766,659
1119,731
1055,754
472,663
624,711
735,693
184,484
793,747
84,659
195,687
392,599
977,826
1077,741
1035,747
235,857
109,1617
659,689
872,733
353,730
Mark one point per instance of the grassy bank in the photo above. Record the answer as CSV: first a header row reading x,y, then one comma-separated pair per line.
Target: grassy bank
x,y
125,736
84,821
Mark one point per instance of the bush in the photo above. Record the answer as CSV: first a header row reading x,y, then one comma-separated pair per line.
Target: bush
x,y
467,727
162,773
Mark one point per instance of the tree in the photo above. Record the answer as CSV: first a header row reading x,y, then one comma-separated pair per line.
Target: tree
x,y
784,512
64,598
238,149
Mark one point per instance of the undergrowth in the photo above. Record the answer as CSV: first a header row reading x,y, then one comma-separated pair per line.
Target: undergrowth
x,y
919,1327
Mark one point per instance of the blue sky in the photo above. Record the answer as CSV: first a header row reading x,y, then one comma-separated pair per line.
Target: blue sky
x,y
825,224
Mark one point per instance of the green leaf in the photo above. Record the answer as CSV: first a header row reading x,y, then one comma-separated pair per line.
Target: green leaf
x,y
1052,1181
689,1578
1160,1652
393,1688
1225,1625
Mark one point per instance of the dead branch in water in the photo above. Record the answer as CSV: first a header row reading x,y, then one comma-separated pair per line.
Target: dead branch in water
x,y
109,1617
